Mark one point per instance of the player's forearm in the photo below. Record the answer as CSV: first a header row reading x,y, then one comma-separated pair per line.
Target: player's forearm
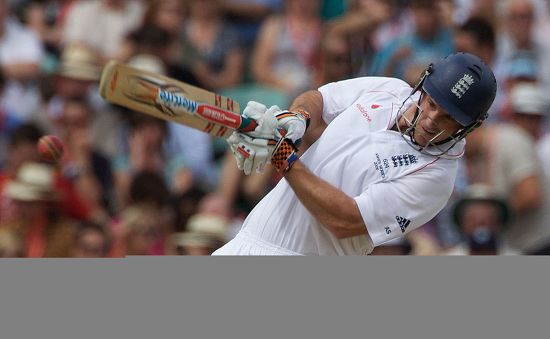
x,y
331,207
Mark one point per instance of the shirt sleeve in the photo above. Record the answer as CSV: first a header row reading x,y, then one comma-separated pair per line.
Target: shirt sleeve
x,y
338,96
393,208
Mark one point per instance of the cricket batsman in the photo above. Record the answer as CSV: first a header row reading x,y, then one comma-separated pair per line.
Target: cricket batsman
x,y
384,164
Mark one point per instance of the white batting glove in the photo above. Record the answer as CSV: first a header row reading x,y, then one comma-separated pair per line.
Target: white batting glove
x,y
265,117
292,125
252,154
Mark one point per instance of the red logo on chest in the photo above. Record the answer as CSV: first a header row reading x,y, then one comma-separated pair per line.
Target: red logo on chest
x,y
364,112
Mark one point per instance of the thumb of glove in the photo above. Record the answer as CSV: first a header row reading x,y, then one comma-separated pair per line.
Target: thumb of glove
x,y
254,110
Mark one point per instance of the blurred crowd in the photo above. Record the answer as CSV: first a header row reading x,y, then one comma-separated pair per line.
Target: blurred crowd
x,y
129,184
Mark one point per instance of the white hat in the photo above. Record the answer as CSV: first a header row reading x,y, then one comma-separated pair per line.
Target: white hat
x,y
203,230
34,182
79,62
527,98
149,63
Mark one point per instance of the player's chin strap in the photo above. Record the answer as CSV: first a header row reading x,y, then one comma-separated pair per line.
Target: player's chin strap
x,y
440,148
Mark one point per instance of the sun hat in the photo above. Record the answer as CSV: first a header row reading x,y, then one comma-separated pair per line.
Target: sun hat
x,y
34,182
203,230
79,62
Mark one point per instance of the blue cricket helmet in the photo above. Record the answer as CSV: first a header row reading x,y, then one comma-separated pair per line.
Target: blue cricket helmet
x,y
463,85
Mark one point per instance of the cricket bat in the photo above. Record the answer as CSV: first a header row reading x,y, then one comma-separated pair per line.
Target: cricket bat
x,y
172,100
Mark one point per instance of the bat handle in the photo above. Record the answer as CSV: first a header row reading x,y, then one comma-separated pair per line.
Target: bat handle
x,y
247,124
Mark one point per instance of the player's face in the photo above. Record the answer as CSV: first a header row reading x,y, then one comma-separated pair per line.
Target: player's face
x,y
434,123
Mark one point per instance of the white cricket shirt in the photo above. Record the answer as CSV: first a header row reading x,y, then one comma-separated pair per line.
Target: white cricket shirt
x,y
396,188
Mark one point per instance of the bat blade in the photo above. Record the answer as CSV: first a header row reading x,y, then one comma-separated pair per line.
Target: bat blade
x,y
172,100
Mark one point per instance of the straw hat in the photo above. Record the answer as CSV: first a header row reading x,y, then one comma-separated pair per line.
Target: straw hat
x,y
204,230
480,193
79,62
34,182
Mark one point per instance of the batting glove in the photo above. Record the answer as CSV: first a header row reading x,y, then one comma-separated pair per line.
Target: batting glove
x,y
265,117
252,154
292,125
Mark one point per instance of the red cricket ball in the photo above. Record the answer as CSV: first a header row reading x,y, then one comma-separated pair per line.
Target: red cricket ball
x,y
50,148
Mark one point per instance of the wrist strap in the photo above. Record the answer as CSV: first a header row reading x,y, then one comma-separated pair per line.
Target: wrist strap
x,y
284,155
295,113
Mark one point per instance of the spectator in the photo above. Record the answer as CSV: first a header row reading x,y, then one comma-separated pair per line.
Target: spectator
x,y
11,245
518,22
143,231
482,217
8,122
487,10
428,42
187,205
41,18
162,34
20,56
521,68
146,141
148,187
247,16
102,25
77,77
87,168
37,219
334,60
221,55
168,15
476,36
151,41
529,110
22,149
284,55
503,156
148,191
358,28
91,241
205,234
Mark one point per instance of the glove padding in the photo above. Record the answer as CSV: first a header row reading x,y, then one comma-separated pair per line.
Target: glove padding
x,y
251,153
292,125
274,139
265,117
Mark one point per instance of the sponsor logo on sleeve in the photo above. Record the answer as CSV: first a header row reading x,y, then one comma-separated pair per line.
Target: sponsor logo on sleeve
x,y
403,223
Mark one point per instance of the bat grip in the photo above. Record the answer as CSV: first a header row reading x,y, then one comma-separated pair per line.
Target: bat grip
x,y
247,124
